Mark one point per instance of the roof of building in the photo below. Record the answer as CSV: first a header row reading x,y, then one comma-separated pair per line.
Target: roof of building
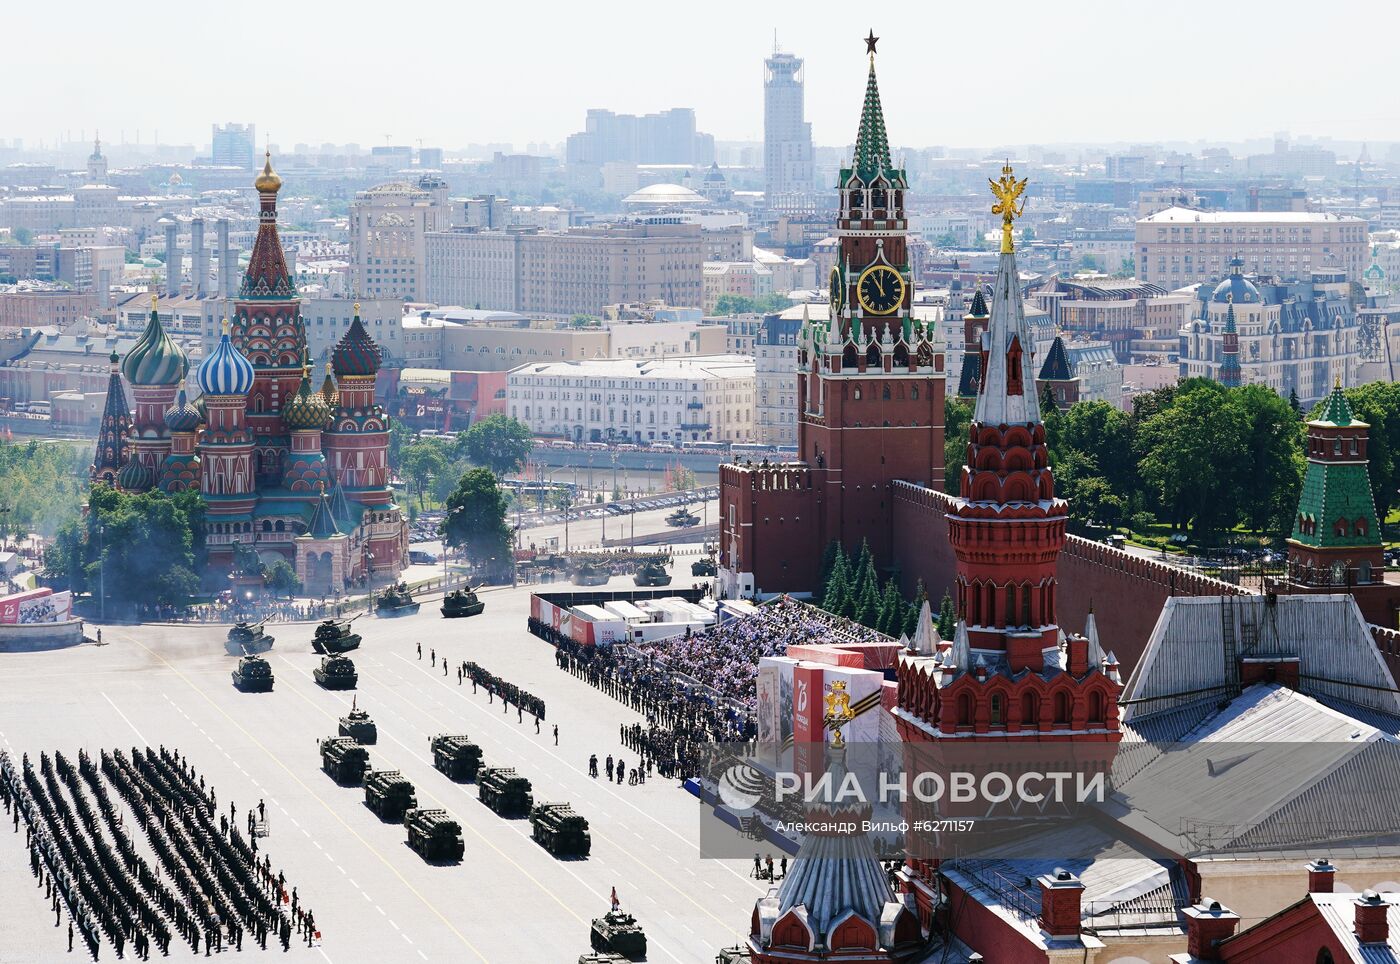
x,y
225,371
323,523
155,359
693,367
666,194
1181,215
996,404
182,416
356,353
1056,367
1236,288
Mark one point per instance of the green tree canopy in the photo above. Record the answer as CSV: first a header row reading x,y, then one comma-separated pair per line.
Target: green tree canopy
x,y
422,461
956,417
476,520
499,442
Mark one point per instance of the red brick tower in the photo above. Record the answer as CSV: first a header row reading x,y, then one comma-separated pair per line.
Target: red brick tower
x,y
268,330
1010,674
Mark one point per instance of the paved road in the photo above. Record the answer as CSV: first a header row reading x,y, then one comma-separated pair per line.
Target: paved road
x,y
374,899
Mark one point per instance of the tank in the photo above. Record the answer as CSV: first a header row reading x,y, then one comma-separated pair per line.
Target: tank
x,y
245,639
456,756
253,675
396,600
652,573
683,518
703,567
389,795
359,727
559,829
336,673
462,602
591,575
334,636
344,760
434,835
504,791
619,933
733,955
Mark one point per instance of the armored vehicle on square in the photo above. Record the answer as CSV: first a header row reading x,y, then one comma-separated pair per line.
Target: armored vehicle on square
x,y
652,573
683,518
434,835
560,830
336,673
253,675
462,602
703,567
246,639
505,791
619,933
597,958
334,637
389,795
456,756
591,574
344,760
358,726
396,600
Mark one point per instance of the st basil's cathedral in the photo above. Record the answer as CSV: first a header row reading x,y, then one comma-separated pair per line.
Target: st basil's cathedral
x,y
294,471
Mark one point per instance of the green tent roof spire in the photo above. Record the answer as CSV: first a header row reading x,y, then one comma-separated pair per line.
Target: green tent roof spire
x,y
872,154
1337,410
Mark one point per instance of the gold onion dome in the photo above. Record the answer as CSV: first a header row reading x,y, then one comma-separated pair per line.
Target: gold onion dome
x,y
307,409
268,182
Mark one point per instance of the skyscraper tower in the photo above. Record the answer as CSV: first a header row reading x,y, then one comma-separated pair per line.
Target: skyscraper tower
x,y
787,137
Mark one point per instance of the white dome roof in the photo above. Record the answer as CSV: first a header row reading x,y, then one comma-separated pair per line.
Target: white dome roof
x,y
665,194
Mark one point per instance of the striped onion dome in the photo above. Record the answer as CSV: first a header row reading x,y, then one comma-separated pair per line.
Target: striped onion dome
x,y
134,476
357,354
225,371
328,389
182,416
307,409
155,359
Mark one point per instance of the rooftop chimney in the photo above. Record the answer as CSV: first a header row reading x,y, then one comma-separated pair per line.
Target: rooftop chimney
x,y
173,261
1322,876
227,283
1207,924
1060,896
1371,924
199,258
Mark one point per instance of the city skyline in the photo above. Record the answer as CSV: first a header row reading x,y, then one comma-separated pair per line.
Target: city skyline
x,y
552,81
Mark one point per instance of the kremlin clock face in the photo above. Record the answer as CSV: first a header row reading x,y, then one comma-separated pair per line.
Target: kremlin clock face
x,y
881,289
838,299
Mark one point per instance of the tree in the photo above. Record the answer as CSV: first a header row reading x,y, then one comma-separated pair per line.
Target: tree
x,y
836,597
829,557
956,417
421,462
1294,404
475,520
1053,421
892,607
1270,467
947,617
282,579
400,435
868,605
499,442
1190,457
1378,405
1105,434
733,305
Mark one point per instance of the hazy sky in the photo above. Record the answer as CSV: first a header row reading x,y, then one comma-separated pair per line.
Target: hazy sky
x,y
456,73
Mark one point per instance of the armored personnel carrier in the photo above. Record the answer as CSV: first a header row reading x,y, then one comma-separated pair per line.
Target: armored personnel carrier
x,y
462,602
434,835
560,830
619,933
733,955
344,760
245,639
396,600
504,791
336,673
683,518
652,573
359,727
253,675
389,795
334,637
703,567
456,756
589,574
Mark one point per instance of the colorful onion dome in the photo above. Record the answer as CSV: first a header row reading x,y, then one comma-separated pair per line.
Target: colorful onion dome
x,y
182,416
155,359
328,390
134,476
307,409
226,371
357,354
268,182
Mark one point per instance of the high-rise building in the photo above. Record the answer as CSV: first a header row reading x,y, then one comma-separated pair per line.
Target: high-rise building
x,y
388,225
787,137
668,137
1178,246
235,145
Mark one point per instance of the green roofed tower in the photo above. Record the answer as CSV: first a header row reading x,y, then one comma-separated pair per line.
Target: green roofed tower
x,y
1336,541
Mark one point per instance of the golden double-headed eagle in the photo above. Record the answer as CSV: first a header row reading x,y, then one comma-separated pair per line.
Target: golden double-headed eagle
x,y
1008,192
